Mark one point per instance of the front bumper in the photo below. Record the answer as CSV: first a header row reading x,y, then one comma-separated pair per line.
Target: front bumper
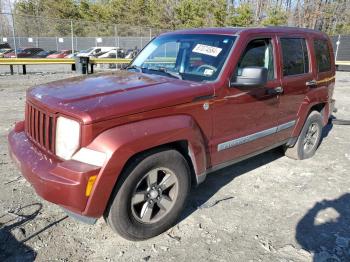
x,y
60,182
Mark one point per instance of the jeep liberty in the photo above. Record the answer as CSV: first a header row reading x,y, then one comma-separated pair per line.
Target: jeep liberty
x,y
128,145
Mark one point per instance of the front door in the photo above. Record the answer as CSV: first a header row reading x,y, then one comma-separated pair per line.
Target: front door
x,y
245,118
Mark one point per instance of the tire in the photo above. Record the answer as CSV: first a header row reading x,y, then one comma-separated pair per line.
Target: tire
x,y
140,221
302,149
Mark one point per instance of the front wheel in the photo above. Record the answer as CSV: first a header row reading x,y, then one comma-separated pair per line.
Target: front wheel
x,y
309,138
151,195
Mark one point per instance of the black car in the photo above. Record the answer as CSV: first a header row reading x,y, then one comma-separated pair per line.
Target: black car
x,y
5,46
43,54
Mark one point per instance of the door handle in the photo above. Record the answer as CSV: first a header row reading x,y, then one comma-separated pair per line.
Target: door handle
x,y
279,90
311,83
275,91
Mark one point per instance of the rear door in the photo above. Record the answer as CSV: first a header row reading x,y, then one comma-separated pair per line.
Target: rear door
x,y
325,68
297,76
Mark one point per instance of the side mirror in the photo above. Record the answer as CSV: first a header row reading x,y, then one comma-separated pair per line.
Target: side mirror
x,y
250,77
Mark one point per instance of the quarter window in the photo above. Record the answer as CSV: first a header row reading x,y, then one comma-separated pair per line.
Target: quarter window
x,y
259,53
323,58
295,56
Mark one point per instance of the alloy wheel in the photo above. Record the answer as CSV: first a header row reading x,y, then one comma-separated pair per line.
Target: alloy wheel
x,y
154,195
311,137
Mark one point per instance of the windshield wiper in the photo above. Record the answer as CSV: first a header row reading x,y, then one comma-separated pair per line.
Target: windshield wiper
x,y
138,68
164,70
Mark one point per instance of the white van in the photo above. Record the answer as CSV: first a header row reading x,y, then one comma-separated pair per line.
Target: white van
x,y
113,53
95,51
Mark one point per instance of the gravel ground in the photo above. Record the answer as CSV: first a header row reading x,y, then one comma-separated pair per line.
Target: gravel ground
x,y
268,208
32,69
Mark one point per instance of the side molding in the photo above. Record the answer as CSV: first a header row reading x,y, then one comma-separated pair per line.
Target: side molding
x,y
255,136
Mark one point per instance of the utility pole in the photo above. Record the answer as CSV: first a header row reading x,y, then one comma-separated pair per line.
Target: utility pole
x,y
1,22
337,48
13,28
72,32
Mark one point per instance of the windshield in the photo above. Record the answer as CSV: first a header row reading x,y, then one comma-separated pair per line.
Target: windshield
x,y
195,57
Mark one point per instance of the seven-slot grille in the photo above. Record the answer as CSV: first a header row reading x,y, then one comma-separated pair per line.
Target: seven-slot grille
x,y
40,126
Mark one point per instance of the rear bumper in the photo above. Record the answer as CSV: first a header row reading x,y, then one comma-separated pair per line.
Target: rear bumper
x,y
60,182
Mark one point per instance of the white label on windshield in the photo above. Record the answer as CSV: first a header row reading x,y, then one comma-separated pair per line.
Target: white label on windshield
x,y
208,72
207,50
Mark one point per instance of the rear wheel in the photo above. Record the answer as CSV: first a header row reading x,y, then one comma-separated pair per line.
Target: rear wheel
x,y
309,138
151,195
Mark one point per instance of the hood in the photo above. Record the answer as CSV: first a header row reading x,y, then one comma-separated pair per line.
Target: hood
x,y
109,95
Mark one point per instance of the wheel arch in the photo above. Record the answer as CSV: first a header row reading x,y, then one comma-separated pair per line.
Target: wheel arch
x,y
304,111
182,146
123,143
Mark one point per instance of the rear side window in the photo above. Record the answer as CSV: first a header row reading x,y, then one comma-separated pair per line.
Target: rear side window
x,y
323,57
295,56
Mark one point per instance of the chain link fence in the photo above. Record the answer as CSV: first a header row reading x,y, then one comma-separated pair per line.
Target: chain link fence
x,y
61,34
341,46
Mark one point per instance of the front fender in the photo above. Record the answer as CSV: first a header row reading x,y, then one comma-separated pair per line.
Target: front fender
x,y
122,142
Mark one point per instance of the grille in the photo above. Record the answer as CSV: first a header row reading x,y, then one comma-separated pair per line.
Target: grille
x,y
40,126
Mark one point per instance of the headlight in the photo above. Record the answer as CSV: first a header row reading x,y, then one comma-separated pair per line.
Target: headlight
x,y
67,137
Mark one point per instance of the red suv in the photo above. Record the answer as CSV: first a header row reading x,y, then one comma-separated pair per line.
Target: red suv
x,y
128,145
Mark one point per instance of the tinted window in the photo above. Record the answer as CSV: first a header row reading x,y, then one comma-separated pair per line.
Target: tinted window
x,y
258,53
322,55
295,56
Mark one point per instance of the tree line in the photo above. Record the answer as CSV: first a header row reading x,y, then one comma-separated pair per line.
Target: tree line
x,y
330,16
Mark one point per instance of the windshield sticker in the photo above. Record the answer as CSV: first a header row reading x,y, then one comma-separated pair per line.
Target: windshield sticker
x,y
208,72
207,50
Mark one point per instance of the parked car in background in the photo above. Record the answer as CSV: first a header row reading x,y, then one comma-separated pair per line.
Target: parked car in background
x,y
73,55
132,53
29,52
60,54
95,51
4,51
12,54
114,53
5,46
43,54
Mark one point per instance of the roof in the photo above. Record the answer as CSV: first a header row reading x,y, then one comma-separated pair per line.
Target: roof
x,y
240,30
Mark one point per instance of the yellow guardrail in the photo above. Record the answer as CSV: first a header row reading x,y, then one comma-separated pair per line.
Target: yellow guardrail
x,y
342,63
127,61
109,61
63,61
40,61
93,61
67,61
36,61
